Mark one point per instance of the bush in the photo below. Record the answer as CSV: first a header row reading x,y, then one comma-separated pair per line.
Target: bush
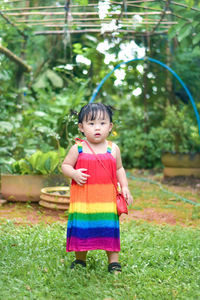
x,y
142,142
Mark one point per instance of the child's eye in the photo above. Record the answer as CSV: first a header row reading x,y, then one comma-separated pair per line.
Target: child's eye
x,y
91,123
102,123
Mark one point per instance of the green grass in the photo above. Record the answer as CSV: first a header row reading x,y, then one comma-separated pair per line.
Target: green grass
x,y
159,262
147,195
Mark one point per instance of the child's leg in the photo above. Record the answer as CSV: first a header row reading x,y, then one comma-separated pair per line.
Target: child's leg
x,y
112,256
80,259
81,255
113,260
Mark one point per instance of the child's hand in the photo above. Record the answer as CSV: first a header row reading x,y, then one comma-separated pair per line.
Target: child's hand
x,y
127,195
80,177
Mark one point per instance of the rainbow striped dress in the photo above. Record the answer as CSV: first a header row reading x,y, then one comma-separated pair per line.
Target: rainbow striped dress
x,y
93,221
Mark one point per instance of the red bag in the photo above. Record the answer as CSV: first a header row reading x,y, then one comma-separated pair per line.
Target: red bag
x,y
121,201
121,204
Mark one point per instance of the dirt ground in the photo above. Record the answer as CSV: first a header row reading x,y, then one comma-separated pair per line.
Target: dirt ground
x,y
22,213
33,213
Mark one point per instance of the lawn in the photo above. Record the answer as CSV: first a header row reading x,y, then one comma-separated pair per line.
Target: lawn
x,y
160,252
159,262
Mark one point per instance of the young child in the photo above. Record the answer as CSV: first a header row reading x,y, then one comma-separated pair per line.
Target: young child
x,y
93,220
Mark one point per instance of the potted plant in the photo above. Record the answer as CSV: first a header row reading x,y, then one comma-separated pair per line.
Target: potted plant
x,y
181,144
23,179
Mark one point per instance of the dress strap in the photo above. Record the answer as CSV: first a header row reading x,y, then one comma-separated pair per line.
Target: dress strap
x,y
79,144
109,148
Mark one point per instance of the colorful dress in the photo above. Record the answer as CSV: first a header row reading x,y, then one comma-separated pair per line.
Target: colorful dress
x,y
93,221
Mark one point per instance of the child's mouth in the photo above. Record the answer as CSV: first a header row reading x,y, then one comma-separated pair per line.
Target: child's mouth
x,y
97,134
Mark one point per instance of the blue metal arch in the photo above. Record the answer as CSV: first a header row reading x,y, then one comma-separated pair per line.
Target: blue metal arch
x,y
161,64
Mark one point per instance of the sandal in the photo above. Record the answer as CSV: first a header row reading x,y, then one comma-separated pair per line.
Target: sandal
x,y
77,262
114,267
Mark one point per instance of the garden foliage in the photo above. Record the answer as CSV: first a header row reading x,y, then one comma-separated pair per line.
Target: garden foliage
x,y
38,110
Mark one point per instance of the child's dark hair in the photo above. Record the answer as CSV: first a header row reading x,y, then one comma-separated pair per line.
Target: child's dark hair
x,y
91,110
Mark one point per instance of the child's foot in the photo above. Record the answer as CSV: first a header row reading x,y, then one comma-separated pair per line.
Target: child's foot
x,y
77,262
115,268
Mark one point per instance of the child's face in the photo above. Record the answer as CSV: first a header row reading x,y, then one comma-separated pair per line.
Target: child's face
x,y
96,131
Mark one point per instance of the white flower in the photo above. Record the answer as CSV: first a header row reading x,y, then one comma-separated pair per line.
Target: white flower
x,y
137,19
103,8
83,60
107,27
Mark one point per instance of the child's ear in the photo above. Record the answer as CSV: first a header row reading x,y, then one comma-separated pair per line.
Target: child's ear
x,y
111,126
80,126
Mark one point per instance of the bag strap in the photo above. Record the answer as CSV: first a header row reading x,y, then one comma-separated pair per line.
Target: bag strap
x,y
100,161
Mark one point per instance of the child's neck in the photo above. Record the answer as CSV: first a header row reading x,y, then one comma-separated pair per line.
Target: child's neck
x,y
98,147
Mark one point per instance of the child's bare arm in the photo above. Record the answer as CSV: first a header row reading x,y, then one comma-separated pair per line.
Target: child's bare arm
x,y
121,177
68,167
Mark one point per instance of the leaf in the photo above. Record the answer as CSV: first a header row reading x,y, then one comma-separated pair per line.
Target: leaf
x,y
91,38
196,39
195,23
82,2
57,110
172,32
175,29
5,126
43,129
54,160
77,48
184,32
15,168
41,82
196,50
39,113
190,2
55,79
7,160
34,160
62,152
3,151
6,168
25,167
47,164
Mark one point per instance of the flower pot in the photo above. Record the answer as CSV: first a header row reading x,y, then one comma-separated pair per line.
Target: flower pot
x,y
55,197
181,164
27,187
